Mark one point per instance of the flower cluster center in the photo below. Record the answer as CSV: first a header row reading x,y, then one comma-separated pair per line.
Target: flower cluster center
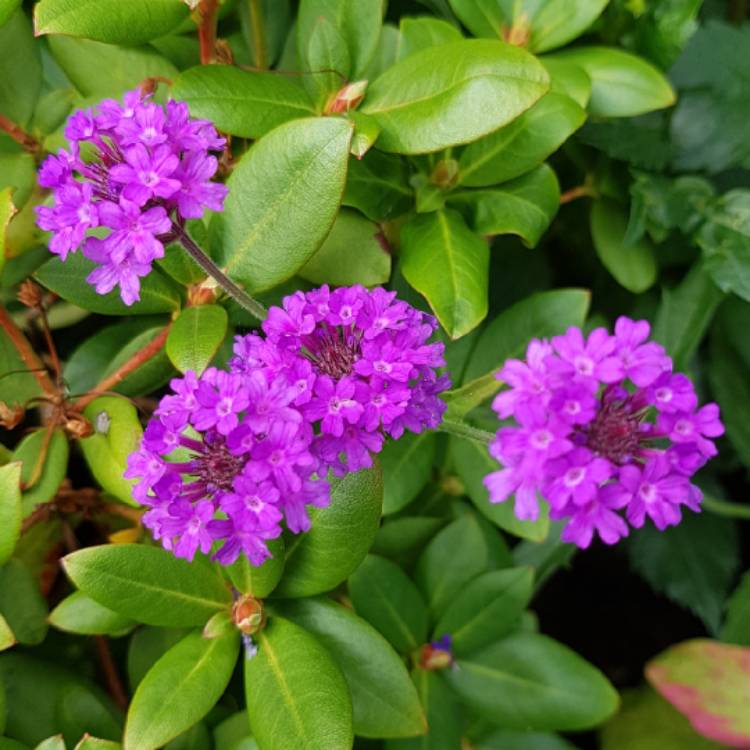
x,y
335,355
615,432
217,467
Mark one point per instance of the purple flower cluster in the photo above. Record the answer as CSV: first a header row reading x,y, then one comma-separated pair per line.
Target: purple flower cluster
x,y
602,426
132,169
231,454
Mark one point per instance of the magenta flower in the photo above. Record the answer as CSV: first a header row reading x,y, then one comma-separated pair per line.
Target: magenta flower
x,y
150,172
602,427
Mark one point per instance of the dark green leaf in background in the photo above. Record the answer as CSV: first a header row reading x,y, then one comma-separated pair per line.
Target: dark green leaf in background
x,y
378,185
20,70
407,466
22,605
50,466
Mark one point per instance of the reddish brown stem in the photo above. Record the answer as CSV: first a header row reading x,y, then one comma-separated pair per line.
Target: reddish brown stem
x,y
27,354
111,675
41,459
144,355
582,191
20,136
207,30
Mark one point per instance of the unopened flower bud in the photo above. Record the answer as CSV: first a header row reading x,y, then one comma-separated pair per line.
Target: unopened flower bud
x,y
248,615
10,416
347,98
436,655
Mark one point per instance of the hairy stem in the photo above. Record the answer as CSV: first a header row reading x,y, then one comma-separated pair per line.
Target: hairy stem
x,y
260,53
242,298
461,429
139,358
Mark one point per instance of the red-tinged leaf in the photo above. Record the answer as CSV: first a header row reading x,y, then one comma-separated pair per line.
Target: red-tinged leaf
x,y
709,682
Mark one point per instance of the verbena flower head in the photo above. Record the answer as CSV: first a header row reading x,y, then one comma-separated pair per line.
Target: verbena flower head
x,y
131,171
603,430
361,364
225,458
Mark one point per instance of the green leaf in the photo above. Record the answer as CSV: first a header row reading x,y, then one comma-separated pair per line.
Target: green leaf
x,y
385,703
736,627
19,385
451,94
529,681
147,645
454,557
443,715
507,739
407,467
10,509
94,743
707,682
283,197
297,697
52,743
487,609
693,563
110,21
386,597
378,185
458,294
21,603
421,33
117,434
647,722
68,280
523,144
7,639
339,539
18,175
258,581
80,614
244,103
685,313
525,206
632,265
8,744
99,70
568,79
623,84
148,584
233,733
7,9
7,210
357,21
355,252
54,466
326,56
180,689
401,539
196,336
20,70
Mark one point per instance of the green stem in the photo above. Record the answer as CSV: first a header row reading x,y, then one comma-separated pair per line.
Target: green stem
x,y
242,298
461,429
258,37
726,509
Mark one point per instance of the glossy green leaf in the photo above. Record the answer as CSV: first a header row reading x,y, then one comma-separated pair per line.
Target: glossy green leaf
x,y
21,603
623,84
20,69
52,743
180,689
99,70
19,385
568,79
388,599
326,55
487,609
17,177
529,681
10,509
233,733
454,557
524,206
110,21
196,336
407,467
94,743
244,103
452,94
632,265
707,682
7,210
148,584
117,434
523,144
7,639
458,294
280,208
259,581
424,32
401,539
296,695
68,280
736,627
378,185
385,703
80,614
146,646
355,252
7,9
339,539
53,461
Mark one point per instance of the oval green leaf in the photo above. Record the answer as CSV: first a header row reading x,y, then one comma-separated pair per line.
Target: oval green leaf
x,y
20,69
283,197
21,603
196,336
180,689
258,581
81,614
53,459
340,537
458,294
453,93
10,509
407,467
384,701
149,584
297,698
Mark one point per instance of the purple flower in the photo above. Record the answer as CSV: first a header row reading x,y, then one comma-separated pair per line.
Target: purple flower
x,y
220,475
360,364
603,430
150,170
